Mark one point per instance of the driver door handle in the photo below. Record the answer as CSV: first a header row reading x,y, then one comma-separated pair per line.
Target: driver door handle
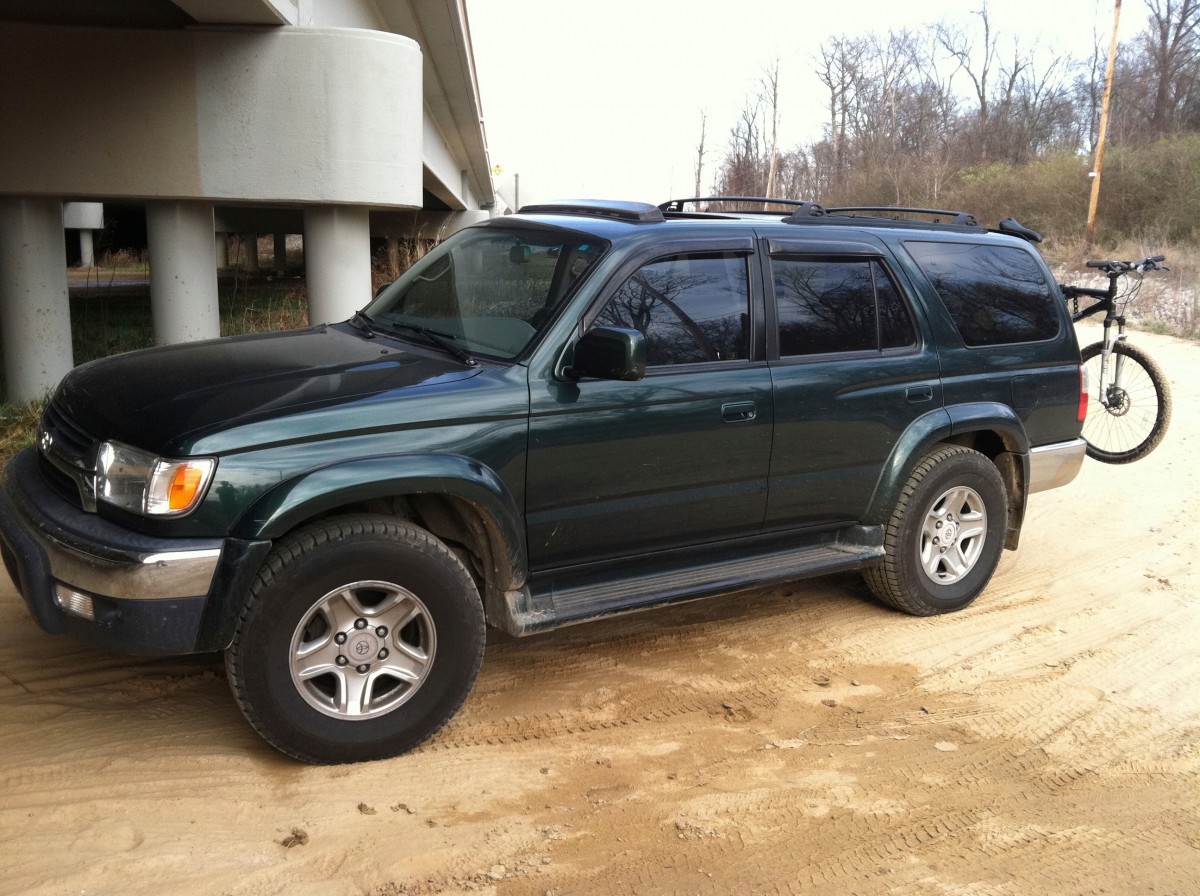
x,y
739,412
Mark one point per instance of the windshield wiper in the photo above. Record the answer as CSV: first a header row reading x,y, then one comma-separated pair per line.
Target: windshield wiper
x,y
438,338
364,324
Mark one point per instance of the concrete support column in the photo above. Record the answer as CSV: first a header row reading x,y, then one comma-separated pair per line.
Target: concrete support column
x,y
250,247
337,261
183,280
87,252
280,260
35,313
222,248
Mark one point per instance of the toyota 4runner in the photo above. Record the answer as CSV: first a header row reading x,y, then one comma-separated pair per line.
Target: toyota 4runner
x,y
579,410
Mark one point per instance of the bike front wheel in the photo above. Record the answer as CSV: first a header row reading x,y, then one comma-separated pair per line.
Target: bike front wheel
x,y
1127,414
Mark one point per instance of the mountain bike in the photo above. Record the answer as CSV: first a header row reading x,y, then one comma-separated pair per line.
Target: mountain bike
x,y
1129,402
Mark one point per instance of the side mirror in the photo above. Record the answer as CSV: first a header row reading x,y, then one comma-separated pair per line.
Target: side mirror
x,y
609,353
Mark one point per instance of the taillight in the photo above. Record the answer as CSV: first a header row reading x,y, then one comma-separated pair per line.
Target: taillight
x,y
1083,393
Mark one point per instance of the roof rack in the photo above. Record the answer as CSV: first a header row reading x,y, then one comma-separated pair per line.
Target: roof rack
x,y
889,212
634,212
677,205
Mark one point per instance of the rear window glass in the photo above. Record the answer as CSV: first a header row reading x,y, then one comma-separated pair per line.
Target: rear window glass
x,y
996,295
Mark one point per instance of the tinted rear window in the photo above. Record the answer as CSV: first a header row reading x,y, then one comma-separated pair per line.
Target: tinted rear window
x,y
996,295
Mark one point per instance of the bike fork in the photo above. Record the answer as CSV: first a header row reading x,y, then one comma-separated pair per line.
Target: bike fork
x,y
1107,351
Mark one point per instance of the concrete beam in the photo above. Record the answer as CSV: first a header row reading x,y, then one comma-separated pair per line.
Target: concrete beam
x,y
241,12
280,115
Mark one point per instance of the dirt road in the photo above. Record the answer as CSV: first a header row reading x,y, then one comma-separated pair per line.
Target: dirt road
x,y
794,740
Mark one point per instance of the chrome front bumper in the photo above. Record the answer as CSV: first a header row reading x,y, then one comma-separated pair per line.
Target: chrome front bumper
x,y
91,578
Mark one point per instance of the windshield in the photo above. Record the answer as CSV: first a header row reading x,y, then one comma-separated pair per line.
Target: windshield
x,y
489,290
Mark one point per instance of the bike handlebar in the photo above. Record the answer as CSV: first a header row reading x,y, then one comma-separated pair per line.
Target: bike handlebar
x,y
1124,267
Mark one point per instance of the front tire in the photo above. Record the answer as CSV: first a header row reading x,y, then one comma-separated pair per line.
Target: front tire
x,y
945,535
1133,417
361,637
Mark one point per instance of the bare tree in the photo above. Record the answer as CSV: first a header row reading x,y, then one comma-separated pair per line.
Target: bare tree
x,y
742,172
840,70
700,151
770,95
1171,44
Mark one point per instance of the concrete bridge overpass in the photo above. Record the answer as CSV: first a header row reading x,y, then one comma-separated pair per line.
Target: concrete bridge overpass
x,y
341,118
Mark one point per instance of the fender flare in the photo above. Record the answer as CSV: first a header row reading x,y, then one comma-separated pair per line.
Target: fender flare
x,y
943,425
323,489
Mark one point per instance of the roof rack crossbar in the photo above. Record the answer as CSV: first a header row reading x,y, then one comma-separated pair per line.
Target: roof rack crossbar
x,y
961,219
676,205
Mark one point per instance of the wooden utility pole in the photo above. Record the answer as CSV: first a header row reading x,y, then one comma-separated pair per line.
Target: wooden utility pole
x,y
1108,79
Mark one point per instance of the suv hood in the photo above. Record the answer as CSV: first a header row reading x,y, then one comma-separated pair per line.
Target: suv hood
x,y
159,398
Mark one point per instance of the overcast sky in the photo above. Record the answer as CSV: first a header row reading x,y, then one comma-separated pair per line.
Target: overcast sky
x,y
603,99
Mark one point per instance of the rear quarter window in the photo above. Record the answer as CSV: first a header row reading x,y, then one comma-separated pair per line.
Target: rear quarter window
x,y
995,295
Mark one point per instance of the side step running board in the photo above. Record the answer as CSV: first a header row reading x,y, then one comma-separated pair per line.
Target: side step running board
x,y
569,597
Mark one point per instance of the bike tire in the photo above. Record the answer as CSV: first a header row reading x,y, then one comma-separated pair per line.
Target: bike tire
x,y
1136,422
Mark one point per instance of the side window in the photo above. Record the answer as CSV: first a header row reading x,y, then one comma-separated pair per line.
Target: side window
x,y
832,305
691,308
895,323
996,295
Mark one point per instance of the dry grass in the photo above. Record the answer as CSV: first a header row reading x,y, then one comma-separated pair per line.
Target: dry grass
x,y
18,426
397,256
1169,301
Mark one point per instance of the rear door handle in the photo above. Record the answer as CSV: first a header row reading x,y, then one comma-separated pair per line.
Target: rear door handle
x,y
739,411
918,394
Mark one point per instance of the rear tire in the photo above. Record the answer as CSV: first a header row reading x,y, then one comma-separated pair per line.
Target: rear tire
x,y
361,637
1138,411
945,535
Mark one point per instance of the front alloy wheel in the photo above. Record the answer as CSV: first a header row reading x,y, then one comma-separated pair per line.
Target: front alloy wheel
x,y
363,650
361,636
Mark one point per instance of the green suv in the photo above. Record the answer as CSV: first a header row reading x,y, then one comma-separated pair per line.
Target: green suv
x,y
579,410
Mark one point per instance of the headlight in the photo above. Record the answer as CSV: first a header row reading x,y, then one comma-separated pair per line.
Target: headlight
x,y
152,486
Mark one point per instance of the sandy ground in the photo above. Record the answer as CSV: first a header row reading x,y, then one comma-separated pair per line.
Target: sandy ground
x,y
791,740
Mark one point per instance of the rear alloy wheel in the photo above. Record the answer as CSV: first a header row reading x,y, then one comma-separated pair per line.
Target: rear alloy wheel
x,y
945,535
362,636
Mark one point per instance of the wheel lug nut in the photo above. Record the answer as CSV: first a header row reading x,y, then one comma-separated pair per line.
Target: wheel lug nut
x,y
383,654
939,524
341,660
381,631
339,638
363,668
360,623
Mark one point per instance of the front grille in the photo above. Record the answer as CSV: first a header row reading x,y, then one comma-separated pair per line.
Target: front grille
x,y
63,485
68,457
70,441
